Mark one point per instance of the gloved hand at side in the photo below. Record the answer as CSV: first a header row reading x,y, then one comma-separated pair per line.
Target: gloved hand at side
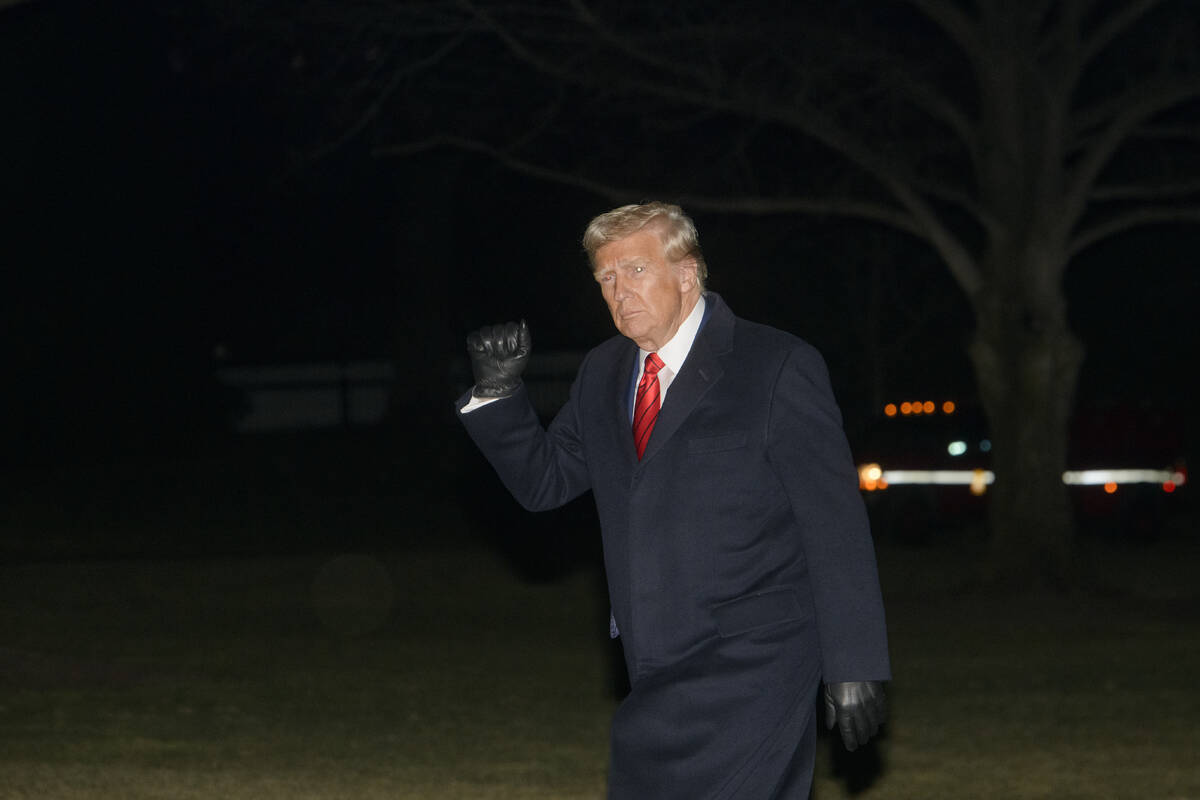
x,y
858,708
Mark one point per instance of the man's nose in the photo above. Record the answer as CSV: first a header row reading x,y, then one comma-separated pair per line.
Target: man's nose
x,y
619,291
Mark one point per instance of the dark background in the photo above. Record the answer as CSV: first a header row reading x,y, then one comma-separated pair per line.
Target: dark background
x,y
159,221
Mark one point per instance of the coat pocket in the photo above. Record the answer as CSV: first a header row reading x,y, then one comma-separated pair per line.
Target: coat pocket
x,y
757,611
715,444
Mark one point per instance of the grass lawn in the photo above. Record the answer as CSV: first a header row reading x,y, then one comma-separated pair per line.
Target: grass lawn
x,y
439,674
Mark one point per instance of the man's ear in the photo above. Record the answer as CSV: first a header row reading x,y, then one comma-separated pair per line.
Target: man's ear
x,y
687,274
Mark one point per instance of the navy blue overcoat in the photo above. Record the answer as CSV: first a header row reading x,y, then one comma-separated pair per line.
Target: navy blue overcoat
x,y
739,561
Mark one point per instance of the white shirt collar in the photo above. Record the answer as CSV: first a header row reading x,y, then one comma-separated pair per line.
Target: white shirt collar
x,y
675,352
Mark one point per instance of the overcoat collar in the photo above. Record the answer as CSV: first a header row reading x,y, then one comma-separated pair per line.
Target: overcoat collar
x,y
701,370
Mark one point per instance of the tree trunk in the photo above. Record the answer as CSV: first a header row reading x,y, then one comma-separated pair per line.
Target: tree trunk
x,y
1027,363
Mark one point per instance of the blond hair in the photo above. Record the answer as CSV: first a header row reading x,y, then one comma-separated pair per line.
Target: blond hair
x,y
675,230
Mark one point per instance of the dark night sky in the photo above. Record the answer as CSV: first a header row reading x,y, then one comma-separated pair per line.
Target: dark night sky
x,y
154,213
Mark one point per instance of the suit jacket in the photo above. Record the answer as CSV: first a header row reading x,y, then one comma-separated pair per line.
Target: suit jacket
x,y
740,566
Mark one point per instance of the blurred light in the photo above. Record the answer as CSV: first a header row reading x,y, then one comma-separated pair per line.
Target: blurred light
x,y
868,477
890,409
941,477
948,407
917,407
985,446
929,406
1096,477
906,408
956,448
872,477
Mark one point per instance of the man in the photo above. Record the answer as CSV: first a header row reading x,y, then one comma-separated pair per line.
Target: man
x,y
740,567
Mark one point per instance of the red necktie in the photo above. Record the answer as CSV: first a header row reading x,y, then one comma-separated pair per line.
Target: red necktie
x,y
645,409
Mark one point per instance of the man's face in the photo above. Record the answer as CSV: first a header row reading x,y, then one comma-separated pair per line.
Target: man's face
x,y
647,296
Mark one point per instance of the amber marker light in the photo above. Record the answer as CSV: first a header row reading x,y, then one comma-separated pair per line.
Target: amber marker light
x,y
948,407
870,477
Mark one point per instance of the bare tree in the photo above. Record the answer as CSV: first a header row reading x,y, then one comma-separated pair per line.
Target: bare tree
x,y
1008,136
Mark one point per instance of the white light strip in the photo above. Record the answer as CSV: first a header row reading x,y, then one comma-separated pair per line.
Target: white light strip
x,y
1093,477
945,477
1086,477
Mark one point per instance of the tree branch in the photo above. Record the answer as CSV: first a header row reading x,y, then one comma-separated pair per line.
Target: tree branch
x,y
754,205
955,23
902,187
1111,28
1135,218
1168,132
1145,192
394,82
608,191
986,219
806,120
1141,103
625,45
942,108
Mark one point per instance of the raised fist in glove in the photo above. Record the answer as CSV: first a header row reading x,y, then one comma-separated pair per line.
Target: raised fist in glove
x,y
858,708
498,357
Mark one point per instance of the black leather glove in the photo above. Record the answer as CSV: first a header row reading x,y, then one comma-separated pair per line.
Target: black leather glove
x,y
498,357
858,708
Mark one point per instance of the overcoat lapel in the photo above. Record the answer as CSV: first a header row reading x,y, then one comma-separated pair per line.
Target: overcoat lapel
x,y
620,424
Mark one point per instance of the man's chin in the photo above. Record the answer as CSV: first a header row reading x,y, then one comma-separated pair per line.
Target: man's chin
x,y
634,332
628,325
